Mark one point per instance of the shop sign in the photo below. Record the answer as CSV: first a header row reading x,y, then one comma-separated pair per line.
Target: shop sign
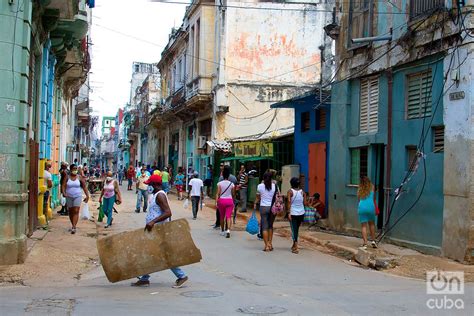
x,y
253,149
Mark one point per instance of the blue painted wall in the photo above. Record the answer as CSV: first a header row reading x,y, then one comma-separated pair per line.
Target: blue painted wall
x,y
50,112
44,101
344,135
424,224
303,139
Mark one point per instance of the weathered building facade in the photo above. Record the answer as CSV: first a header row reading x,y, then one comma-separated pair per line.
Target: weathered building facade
x,y
40,79
220,75
401,113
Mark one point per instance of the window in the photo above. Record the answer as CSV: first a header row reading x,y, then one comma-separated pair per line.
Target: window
x,y
369,105
411,157
305,123
419,88
360,20
358,164
438,139
196,49
422,7
320,119
137,68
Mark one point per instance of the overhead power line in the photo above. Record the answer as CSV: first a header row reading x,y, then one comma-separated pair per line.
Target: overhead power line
x,y
252,6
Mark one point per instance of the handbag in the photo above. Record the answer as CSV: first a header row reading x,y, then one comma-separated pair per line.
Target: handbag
x,y
377,210
278,204
252,225
101,212
309,215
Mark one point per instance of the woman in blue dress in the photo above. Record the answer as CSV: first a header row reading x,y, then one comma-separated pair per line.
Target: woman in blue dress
x,y
366,210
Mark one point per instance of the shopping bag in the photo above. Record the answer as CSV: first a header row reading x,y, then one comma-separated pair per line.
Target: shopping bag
x,y
63,201
186,203
85,214
309,215
101,213
252,225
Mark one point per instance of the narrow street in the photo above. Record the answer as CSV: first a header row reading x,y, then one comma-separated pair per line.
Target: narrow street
x,y
235,277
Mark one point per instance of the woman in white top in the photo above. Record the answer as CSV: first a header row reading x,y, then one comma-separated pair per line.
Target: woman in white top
x,y
265,193
295,200
225,201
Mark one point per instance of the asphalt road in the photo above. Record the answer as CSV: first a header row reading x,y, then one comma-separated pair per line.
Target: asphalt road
x,y
235,277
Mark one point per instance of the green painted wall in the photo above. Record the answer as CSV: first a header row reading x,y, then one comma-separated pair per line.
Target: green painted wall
x,y
14,40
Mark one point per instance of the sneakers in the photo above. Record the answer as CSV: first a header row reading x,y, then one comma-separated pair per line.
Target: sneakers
x,y
137,210
179,282
227,234
374,244
141,283
222,233
363,247
73,231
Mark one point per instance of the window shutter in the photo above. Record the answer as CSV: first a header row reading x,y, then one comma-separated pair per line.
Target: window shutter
x,y
369,105
355,166
322,119
438,139
419,95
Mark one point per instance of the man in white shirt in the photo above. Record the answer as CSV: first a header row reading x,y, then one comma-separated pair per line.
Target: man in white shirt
x,y
196,192
48,183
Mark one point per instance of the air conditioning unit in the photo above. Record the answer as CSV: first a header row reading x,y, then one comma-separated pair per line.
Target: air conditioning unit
x,y
222,109
202,142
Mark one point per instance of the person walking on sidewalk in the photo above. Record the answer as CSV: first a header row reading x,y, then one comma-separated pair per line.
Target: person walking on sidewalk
x,y
265,194
120,175
71,189
179,182
208,181
225,201
165,177
366,210
295,203
159,213
110,194
130,177
243,185
63,173
196,192
142,190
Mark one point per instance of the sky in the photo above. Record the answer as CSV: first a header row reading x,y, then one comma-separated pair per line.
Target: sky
x,y
113,53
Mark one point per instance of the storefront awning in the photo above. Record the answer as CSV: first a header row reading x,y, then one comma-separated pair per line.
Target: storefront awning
x,y
232,158
220,145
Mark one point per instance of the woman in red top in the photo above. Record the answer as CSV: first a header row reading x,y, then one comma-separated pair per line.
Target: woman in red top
x,y
130,177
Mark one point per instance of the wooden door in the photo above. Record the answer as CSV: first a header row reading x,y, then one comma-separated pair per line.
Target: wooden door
x,y
317,169
33,187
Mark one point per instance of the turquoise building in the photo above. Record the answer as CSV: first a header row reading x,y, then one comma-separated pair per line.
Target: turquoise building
x,y
400,108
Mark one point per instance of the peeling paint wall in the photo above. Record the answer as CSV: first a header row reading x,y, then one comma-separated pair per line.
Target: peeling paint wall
x,y
271,54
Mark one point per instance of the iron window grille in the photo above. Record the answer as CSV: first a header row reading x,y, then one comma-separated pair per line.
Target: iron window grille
x,y
422,7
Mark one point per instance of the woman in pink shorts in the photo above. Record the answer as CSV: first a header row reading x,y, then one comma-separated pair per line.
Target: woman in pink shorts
x,y
225,201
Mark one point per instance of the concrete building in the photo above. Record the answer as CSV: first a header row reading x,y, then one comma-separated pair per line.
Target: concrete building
x,y
401,113
220,75
130,142
39,79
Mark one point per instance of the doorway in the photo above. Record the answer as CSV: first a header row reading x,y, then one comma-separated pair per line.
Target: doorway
x,y
379,181
317,170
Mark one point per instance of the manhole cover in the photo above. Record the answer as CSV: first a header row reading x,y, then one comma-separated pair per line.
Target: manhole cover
x,y
262,310
202,294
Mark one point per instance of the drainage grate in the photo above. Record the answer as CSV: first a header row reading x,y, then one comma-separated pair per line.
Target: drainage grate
x,y
50,306
262,310
202,294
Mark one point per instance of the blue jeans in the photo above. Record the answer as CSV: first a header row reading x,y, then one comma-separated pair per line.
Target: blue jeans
x,y
166,186
177,272
108,206
142,194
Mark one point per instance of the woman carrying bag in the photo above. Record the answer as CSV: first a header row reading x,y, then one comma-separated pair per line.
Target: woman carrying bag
x,y
296,204
225,201
266,192
111,194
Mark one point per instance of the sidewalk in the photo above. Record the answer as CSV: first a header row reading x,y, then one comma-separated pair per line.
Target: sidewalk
x,y
55,257
389,258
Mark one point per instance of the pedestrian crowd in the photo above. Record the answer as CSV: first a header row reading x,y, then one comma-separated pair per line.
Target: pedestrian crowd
x,y
152,185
